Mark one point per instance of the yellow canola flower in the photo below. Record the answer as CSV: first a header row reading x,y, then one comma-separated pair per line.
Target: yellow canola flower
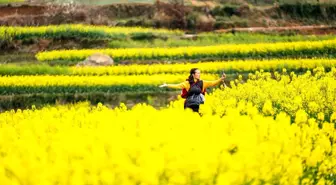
x,y
237,66
79,29
192,51
310,95
264,131
79,144
207,67
49,80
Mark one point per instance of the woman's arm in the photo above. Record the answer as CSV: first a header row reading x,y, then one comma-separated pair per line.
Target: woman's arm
x,y
176,86
207,84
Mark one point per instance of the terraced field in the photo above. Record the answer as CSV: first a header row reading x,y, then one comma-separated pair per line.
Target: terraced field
x,y
271,121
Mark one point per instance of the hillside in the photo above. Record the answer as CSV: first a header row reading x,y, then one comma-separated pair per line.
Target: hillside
x,y
196,17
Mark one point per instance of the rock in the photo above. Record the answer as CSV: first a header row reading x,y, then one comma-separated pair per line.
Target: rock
x,y
205,22
97,59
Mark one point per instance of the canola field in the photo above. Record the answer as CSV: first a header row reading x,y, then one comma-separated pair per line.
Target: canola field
x,y
273,122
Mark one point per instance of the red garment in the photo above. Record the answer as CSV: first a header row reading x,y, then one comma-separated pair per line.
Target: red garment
x,y
184,92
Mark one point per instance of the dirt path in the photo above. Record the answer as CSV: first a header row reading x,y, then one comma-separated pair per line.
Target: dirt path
x,y
314,29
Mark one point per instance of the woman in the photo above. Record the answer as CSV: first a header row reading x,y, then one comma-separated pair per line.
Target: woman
x,y
194,86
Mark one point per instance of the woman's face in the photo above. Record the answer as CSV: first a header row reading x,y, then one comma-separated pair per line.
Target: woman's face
x,y
197,74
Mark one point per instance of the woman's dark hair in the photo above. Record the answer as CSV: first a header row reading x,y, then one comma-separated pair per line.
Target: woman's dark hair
x,y
191,77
